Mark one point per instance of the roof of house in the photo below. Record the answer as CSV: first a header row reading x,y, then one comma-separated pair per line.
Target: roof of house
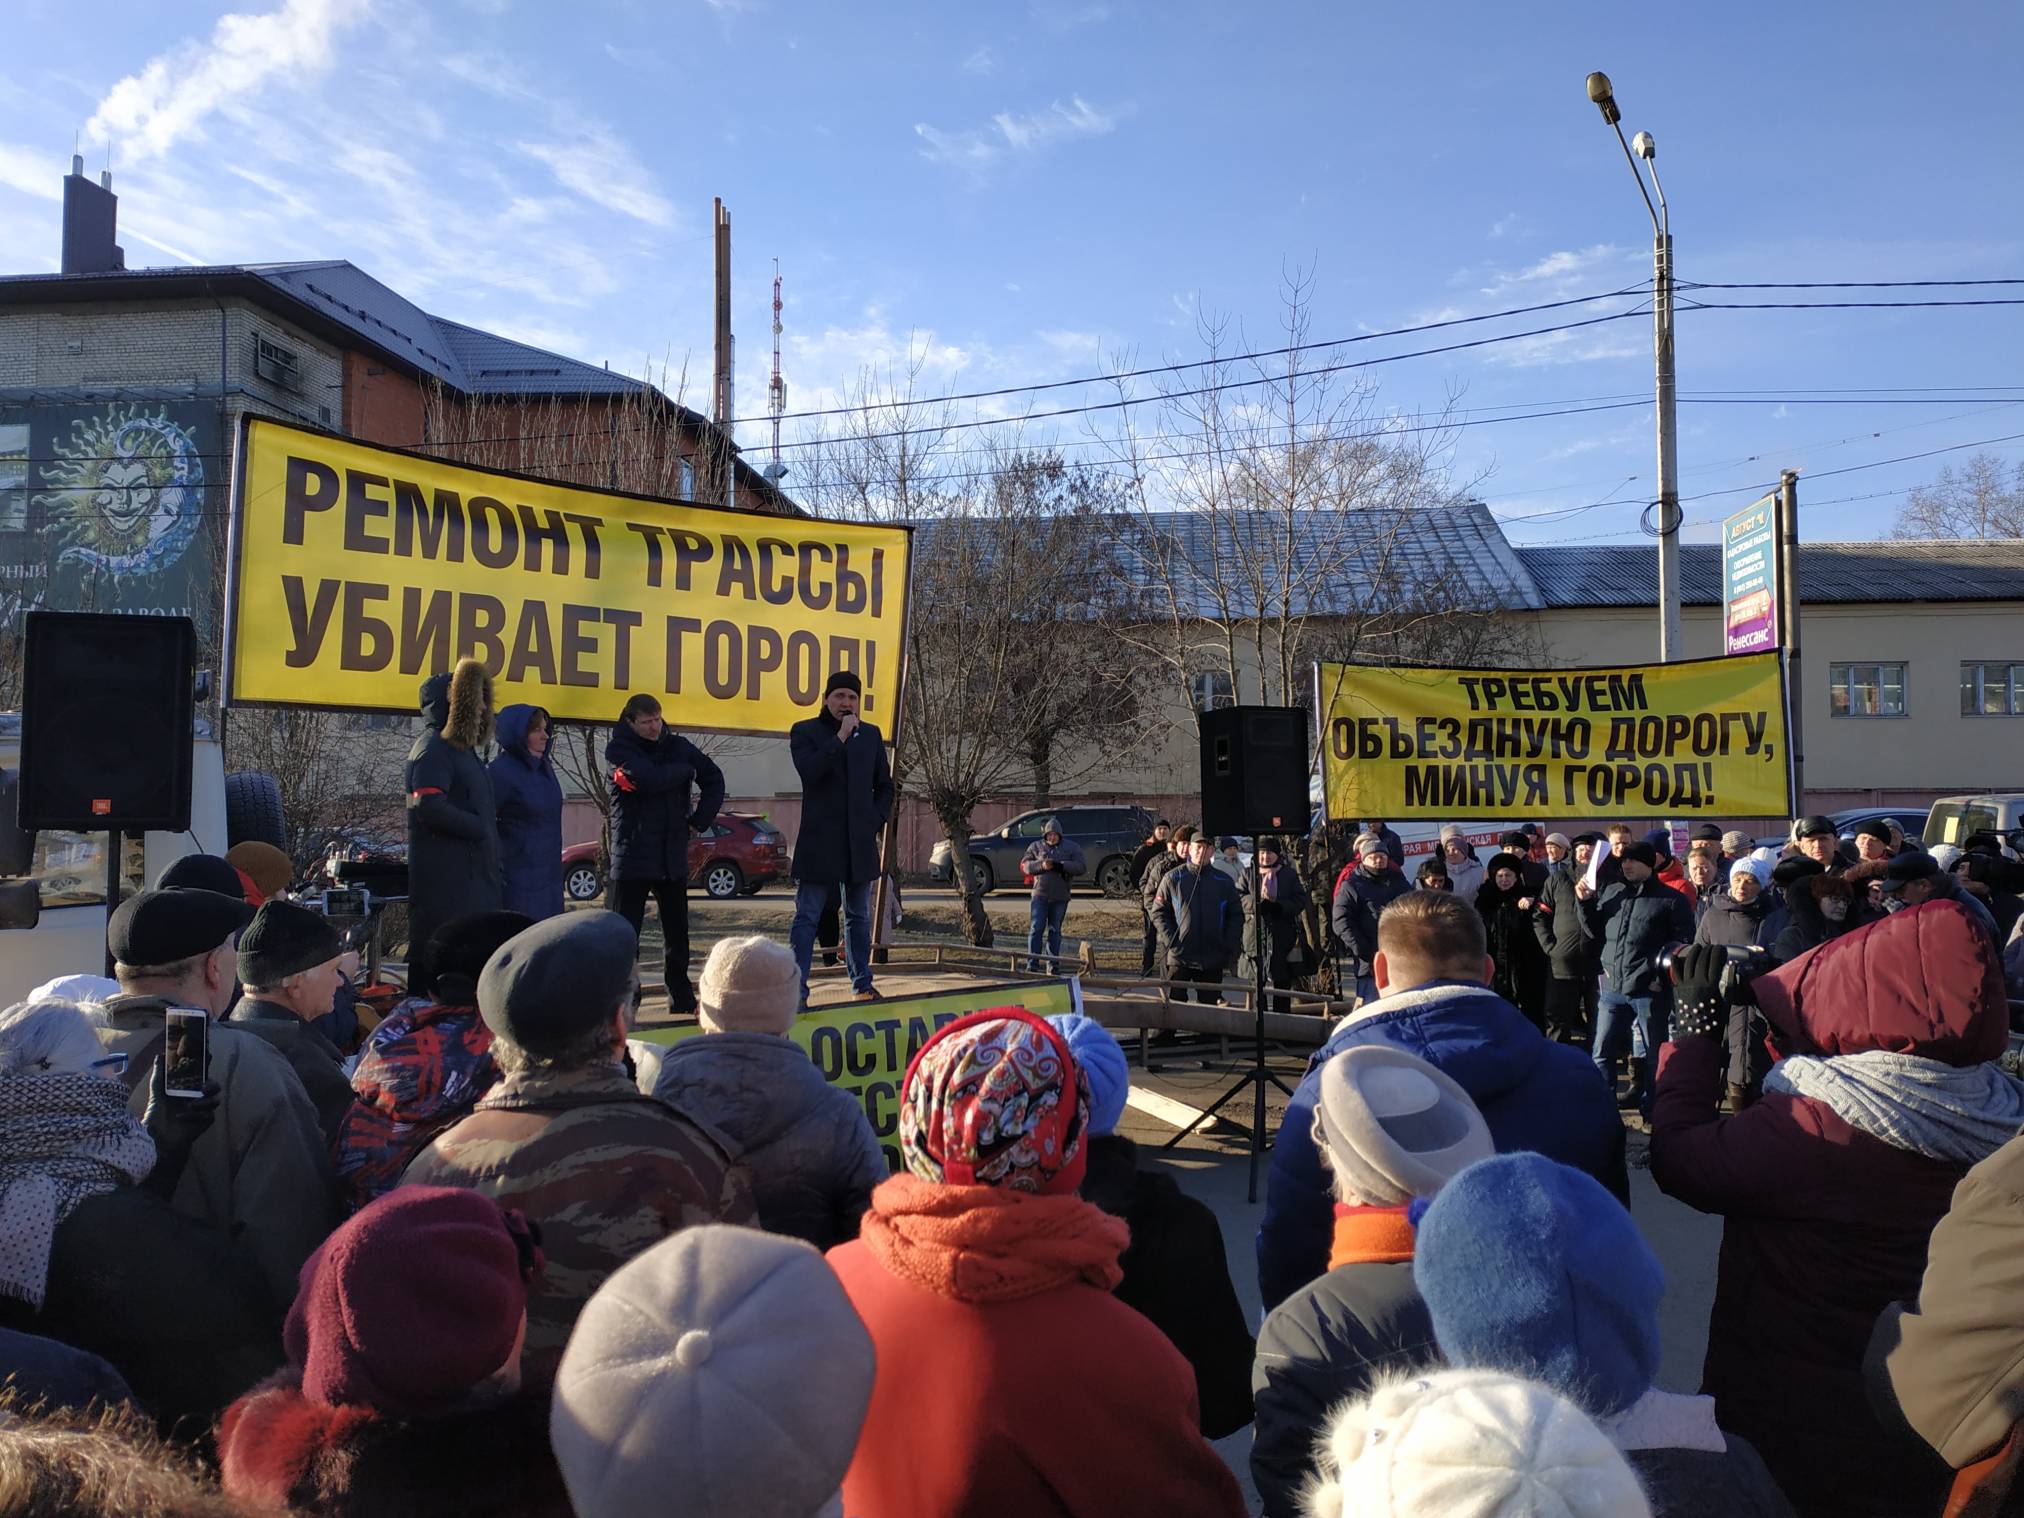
x,y
1829,573
1338,555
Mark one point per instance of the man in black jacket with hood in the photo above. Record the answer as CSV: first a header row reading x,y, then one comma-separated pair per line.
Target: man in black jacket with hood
x,y
663,789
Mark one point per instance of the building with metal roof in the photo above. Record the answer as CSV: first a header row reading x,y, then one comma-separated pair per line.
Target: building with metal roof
x,y
1830,574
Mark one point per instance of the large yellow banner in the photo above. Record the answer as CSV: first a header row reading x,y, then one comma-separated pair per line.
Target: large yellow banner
x,y
866,1048
1700,738
357,571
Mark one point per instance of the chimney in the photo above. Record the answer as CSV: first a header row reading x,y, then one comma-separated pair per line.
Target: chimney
x,y
90,222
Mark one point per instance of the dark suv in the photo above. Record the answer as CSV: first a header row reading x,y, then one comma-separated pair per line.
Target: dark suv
x,y
1107,834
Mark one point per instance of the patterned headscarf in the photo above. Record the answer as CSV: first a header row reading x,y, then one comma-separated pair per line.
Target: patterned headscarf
x,y
996,1099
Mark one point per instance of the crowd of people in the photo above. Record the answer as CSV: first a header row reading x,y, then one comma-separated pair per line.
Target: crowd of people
x,y
509,1259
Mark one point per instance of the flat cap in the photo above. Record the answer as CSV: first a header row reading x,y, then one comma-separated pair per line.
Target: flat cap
x,y
558,979
1817,827
161,927
283,939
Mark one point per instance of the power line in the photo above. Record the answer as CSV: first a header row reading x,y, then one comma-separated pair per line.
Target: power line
x,y
1851,284
1842,305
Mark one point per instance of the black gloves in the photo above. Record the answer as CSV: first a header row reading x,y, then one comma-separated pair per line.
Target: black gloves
x,y
1700,1010
175,1123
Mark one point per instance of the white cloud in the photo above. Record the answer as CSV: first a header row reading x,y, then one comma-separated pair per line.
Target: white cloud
x,y
1058,17
32,171
594,163
976,148
147,113
1556,269
983,61
1505,224
1552,349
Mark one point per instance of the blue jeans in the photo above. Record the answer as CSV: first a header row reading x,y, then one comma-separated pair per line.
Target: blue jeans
x,y
1366,989
1045,921
1615,1014
809,896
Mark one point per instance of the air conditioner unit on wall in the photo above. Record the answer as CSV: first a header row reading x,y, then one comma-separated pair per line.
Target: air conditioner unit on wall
x,y
275,364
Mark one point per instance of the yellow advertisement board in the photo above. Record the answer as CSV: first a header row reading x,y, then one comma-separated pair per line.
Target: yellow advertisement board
x,y
866,1047
1701,738
357,571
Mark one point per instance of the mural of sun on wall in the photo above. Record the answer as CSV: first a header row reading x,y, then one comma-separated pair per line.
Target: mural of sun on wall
x,y
111,506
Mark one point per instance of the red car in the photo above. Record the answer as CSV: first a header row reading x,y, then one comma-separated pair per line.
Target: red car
x,y
737,854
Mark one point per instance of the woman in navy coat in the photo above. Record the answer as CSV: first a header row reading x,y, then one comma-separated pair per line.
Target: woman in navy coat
x,y
529,800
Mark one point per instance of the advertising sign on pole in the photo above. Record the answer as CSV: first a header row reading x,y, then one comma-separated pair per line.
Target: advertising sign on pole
x,y
1750,579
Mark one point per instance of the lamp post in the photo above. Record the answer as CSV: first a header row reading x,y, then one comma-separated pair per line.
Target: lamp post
x,y
1643,147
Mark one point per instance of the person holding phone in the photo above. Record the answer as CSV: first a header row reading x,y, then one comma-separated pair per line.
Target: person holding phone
x,y
290,966
261,1171
846,797
92,1253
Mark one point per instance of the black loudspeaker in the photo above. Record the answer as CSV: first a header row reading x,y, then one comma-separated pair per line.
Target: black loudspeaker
x,y
105,722
1254,770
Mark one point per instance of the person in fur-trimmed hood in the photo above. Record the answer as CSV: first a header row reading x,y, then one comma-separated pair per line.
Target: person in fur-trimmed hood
x,y
453,833
1830,1184
402,1394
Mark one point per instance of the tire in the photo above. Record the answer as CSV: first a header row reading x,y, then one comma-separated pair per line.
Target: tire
x,y
1113,877
981,878
253,810
722,880
583,883
755,888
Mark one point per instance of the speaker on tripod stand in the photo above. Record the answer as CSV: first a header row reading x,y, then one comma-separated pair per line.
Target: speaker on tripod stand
x,y
1255,764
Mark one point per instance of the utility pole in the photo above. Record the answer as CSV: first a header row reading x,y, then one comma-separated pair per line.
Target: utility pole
x,y
1668,504
721,373
1788,631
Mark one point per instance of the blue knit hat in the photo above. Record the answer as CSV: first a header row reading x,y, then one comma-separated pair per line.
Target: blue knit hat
x,y
1096,1050
1661,840
1533,1268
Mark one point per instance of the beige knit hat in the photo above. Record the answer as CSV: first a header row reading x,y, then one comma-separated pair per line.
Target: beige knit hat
x,y
1394,1127
749,985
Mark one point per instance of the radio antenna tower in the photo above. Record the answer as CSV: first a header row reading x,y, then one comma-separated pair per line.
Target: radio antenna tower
x,y
776,388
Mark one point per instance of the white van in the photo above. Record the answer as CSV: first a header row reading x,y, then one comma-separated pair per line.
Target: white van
x,y
1953,818
69,869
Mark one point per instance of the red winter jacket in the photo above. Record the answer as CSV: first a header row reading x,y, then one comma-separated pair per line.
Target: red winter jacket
x,y
1825,1226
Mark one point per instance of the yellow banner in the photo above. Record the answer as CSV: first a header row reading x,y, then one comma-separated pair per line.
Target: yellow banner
x,y
866,1048
1701,738
357,571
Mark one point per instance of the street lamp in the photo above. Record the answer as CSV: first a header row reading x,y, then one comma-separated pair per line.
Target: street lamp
x,y
1644,148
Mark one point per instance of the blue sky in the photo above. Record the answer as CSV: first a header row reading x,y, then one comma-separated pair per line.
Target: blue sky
x,y
1022,192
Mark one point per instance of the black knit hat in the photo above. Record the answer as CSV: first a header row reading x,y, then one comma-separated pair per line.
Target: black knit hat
x,y
1705,832
843,679
559,979
284,939
1642,853
202,872
459,949
161,927
1875,828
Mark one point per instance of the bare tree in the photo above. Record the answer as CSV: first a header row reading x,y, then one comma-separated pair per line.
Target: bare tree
x,y
336,775
1981,500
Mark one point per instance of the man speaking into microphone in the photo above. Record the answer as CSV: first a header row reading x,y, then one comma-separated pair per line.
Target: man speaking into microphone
x,y
846,797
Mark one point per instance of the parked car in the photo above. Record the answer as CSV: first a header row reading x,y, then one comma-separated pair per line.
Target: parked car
x,y
1911,819
738,854
1108,834
1953,818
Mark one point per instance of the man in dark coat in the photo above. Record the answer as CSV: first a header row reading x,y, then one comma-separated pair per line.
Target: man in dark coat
x,y
1171,857
1361,896
453,837
1201,921
290,969
846,797
1634,919
530,813
1153,848
663,789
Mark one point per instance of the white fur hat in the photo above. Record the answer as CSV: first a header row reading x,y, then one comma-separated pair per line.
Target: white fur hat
x,y
1470,1444
749,985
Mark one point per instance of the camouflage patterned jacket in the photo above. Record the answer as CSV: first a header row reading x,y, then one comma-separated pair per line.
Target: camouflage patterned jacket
x,y
604,1170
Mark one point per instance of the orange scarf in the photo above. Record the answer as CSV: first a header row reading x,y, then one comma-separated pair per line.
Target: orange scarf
x,y
1370,1236
984,1244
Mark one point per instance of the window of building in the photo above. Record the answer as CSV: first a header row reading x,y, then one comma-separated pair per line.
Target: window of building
x,y
1213,692
1992,690
686,490
1866,690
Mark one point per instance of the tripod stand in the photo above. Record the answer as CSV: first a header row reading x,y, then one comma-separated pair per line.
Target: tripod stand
x,y
1256,1078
